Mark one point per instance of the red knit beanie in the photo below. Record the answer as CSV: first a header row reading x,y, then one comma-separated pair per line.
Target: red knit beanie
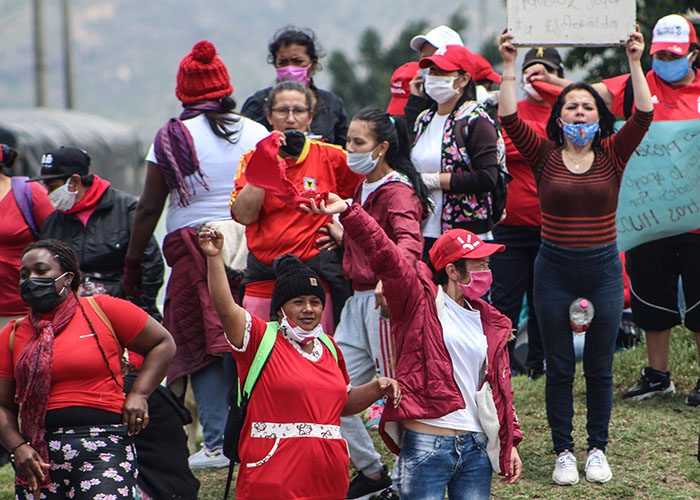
x,y
202,75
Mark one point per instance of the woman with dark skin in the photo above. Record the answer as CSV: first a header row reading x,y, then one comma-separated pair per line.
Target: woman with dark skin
x,y
85,385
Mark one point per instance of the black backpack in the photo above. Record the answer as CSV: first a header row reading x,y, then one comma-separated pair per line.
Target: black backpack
x,y
497,207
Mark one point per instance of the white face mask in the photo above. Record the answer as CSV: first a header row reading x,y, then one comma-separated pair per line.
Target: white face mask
x,y
530,90
297,333
362,163
63,198
440,88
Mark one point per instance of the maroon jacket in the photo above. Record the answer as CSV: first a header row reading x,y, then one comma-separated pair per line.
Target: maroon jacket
x,y
423,364
398,211
190,316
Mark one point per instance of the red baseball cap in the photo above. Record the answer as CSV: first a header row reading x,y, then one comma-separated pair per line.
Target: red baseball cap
x,y
458,244
451,58
674,34
483,70
399,87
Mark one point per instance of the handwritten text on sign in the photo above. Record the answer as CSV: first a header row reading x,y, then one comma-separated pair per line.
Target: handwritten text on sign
x,y
660,191
571,22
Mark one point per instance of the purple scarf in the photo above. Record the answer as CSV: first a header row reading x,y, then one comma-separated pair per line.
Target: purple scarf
x,y
33,377
175,153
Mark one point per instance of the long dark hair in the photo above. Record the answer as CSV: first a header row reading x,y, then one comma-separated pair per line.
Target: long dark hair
x,y
290,86
293,35
393,130
7,157
221,119
606,119
68,261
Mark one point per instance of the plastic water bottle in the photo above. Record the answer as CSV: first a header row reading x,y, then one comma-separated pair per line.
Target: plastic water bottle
x,y
580,315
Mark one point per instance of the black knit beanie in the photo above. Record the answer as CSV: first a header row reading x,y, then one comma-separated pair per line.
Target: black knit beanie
x,y
294,278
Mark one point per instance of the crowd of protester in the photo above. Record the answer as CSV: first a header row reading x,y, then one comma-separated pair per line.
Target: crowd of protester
x,y
370,260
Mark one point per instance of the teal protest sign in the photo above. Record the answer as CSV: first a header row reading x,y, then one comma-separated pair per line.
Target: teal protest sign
x,y
660,191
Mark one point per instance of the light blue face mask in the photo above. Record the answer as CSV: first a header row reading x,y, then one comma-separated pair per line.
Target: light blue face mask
x,y
671,71
580,134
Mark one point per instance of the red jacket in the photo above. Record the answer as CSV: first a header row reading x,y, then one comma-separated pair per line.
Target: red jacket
x,y
190,316
397,209
423,364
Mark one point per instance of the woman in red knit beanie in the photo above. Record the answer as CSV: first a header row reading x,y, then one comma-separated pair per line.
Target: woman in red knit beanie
x,y
193,159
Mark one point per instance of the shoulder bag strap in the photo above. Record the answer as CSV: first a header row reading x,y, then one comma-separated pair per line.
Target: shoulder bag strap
x,y
325,340
262,355
15,325
22,192
101,314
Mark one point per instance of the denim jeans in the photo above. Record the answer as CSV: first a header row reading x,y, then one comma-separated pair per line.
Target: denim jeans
x,y
211,387
562,275
429,464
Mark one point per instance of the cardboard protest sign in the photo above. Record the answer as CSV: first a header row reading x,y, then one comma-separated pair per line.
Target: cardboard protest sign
x,y
660,191
580,23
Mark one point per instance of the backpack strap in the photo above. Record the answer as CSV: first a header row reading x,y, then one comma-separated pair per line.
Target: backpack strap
x,y
325,340
22,192
101,314
15,325
262,355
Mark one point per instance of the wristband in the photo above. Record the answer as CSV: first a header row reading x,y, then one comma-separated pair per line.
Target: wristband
x,y
12,450
508,78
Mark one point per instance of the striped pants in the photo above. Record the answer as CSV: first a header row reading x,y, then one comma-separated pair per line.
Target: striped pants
x,y
365,340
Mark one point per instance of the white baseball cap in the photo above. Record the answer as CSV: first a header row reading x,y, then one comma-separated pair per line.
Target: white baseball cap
x,y
437,37
674,34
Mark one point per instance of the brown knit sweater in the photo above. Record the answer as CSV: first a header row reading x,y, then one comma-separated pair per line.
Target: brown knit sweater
x,y
578,210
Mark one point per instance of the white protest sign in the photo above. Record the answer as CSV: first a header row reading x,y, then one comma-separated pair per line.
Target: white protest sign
x,y
561,23
660,191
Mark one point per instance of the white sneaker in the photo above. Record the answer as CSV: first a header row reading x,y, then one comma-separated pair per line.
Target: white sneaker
x,y
597,468
208,459
565,471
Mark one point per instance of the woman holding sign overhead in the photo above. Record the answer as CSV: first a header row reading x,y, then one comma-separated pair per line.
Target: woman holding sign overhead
x,y
578,168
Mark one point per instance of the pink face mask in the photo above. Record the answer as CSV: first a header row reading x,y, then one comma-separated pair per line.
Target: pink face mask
x,y
478,286
293,73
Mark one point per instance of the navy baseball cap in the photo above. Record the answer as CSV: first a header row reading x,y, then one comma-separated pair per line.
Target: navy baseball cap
x,y
63,162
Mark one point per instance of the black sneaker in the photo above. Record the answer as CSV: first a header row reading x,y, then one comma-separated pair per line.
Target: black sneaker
x,y
693,398
535,373
387,494
650,384
362,487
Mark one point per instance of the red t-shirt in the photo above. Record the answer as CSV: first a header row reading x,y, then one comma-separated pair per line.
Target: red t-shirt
x,y
522,203
79,376
670,102
15,235
293,388
279,229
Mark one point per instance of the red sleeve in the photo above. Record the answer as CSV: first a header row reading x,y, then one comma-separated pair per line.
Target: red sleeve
x,y
42,205
240,180
244,356
127,319
7,366
531,145
346,180
616,86
405,212
626,140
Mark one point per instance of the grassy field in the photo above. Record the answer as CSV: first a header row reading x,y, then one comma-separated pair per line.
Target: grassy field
x,y
652,451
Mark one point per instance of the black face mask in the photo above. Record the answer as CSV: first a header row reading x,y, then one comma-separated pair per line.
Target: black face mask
x,y
295,142
40,293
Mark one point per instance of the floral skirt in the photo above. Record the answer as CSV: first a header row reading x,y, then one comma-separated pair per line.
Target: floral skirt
x,y
89,462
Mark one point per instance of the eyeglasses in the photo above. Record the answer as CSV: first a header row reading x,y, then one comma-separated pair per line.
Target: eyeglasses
x,y
284,112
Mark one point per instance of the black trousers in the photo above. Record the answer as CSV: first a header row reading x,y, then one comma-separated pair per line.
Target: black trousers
x,y
513,279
